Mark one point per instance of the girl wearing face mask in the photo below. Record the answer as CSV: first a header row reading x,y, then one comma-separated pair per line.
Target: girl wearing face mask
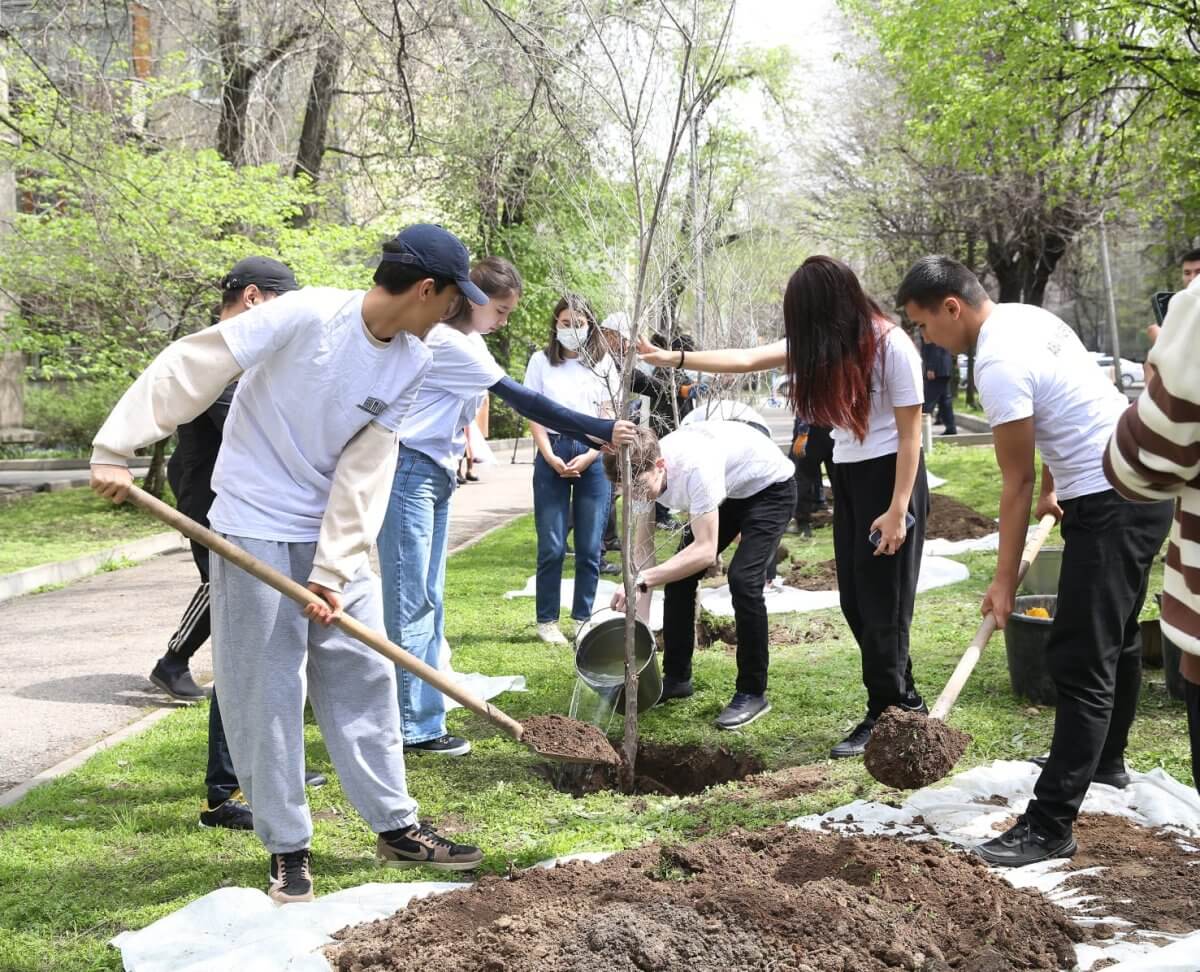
x,y
412,543
572,370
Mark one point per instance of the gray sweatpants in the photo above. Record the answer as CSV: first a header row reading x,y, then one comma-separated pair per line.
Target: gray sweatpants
x,y
267,656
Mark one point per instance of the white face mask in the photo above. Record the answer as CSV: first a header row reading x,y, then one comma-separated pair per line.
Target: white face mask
x,y
572,338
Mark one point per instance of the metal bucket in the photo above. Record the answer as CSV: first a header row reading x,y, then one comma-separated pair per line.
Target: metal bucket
x,y
1042,577
1025,641
600,661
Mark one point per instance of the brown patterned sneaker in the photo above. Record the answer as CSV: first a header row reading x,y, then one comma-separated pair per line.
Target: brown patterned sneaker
x,y
291,877
422,846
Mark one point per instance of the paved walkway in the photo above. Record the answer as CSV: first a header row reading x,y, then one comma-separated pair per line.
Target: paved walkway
x,y
73,662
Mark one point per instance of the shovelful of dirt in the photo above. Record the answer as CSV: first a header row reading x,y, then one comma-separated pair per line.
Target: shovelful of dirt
x,y
908,749
568,740
780,899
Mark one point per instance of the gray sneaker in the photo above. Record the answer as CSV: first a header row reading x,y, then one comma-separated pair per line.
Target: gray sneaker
x,y
742,710
422,846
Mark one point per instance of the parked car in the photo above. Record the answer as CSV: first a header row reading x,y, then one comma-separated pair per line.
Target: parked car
x,y
1132,372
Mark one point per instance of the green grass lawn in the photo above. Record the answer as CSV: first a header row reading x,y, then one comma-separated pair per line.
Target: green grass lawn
x,y
115,844
49,527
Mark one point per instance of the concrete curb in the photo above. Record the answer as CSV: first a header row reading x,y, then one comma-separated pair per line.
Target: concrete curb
x,y
65,571
41,465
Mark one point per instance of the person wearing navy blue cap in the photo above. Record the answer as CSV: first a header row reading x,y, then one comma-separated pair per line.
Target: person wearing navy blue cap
x,y
301,483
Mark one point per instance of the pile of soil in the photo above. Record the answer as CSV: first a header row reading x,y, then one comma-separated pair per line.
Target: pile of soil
x,y
713,629
557,736
1148,879
779,899
664,769
951,520
813,577
908,749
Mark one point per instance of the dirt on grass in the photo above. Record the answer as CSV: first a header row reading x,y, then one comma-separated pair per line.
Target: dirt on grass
x,y
1147,878
780,899
557,737
951,520
909,750
665,769
820,576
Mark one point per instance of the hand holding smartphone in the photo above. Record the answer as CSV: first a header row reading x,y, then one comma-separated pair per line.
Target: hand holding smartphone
x,y
875,536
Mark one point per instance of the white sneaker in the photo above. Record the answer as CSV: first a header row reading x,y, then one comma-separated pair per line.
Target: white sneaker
x,y
549,632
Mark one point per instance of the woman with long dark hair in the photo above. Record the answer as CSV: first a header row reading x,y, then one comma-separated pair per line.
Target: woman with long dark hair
x,y
851,368
572,370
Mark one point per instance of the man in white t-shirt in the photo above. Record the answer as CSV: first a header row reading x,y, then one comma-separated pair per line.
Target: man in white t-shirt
x,y
326,376
731,480
1041,389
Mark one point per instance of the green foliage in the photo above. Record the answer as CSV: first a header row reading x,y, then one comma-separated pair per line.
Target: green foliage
x,y
1074,91
128,237
68,414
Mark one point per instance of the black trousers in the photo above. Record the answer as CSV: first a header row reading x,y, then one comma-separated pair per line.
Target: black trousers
x,y
761,519
194,629
937,395
877,593
1094,654
818,452
1192,696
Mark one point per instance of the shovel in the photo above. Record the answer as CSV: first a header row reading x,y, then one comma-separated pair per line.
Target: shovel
x,y
907,749
554,737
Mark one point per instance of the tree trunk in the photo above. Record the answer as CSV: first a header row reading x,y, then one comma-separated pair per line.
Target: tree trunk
x,y
156,476
235,85
316,116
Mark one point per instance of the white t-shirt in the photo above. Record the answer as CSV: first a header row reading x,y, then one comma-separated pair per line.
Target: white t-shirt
x,y
1030,363
572,383
896,382
314,377
710,461
462,371
722,410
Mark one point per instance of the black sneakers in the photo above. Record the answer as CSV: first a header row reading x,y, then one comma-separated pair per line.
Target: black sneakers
x,y
1109,777
855,744
177,683
1024,844
742,710
291,877
673,689
445,745
421,846
232,814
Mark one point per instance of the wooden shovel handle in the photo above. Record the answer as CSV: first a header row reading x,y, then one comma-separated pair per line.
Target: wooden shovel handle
x,y
966,664
302,595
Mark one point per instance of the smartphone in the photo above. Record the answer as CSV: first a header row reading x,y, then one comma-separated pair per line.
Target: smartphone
x,y
875,536
1161,300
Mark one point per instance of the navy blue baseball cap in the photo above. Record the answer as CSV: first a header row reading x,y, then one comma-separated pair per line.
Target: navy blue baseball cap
x,y
437,252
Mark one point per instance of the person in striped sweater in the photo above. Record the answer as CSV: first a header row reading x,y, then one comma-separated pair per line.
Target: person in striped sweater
x,y
1154,454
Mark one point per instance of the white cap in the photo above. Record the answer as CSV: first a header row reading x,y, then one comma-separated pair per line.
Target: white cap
x,y
618,322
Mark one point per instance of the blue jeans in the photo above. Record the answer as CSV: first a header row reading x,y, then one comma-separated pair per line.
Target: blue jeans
x,y
587,498
412,562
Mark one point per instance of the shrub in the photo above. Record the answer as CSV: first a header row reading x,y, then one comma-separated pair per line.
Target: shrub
x,y
68,414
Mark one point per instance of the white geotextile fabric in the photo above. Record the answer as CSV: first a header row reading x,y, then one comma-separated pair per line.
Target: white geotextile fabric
x,y
935,572
483,686
243,929
959,815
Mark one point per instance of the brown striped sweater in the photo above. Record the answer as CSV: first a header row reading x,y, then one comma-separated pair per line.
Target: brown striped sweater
x,y
1154,454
